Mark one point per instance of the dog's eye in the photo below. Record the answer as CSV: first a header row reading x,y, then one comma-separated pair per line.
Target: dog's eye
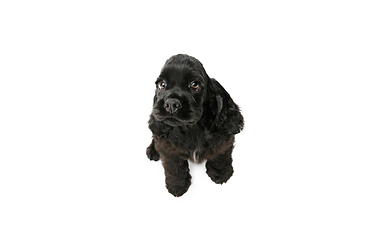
x,y
161,85
195,86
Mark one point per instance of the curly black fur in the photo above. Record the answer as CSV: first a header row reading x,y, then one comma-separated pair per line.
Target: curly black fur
x,y
193,118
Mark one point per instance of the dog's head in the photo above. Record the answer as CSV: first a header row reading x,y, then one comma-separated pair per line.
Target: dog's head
x,y
180,91
185,95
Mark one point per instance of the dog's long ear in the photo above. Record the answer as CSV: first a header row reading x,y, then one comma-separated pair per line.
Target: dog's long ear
x,y
226,115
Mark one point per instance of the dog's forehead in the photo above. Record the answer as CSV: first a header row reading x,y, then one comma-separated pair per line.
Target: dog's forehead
x,y
177,74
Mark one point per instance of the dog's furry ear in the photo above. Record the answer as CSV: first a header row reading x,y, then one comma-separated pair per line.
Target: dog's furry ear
x,y
225,113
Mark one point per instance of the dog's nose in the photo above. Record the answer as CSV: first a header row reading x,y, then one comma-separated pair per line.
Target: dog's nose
x,y
172,105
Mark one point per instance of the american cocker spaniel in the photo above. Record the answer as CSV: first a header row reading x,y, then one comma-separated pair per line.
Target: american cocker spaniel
x,y
193,118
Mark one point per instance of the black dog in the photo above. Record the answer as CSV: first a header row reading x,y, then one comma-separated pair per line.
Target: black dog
x,y
193,118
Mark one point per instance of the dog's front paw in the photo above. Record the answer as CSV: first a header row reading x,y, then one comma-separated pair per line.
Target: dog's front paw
x,y
219,176
152,154
177,189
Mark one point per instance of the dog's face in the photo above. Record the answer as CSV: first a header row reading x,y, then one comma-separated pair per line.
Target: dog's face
x,y
181,90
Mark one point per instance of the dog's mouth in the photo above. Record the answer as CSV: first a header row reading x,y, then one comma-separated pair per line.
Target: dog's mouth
x,y
173,121
186,115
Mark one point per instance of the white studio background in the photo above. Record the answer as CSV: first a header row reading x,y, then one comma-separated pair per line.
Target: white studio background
x,y
77,82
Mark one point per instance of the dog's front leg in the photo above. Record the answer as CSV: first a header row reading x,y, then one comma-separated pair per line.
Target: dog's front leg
x,y
219,167
177,177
